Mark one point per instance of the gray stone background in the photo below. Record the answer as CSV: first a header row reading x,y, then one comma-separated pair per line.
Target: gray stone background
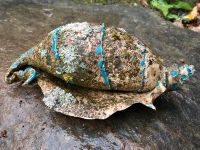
x,y
26,123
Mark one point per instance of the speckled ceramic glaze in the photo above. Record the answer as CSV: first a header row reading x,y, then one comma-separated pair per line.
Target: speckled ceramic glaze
x,y
91,71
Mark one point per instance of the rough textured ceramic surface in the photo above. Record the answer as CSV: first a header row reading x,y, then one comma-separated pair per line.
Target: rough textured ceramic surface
x,y
91,71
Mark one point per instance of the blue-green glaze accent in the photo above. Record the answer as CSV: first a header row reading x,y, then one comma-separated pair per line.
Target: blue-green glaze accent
x,y
20,59
15,64
103,71
33,75
26,54
173,73
142,72
99,51
189,72
184,77
142,64
21,73
102,31
158,83
54,42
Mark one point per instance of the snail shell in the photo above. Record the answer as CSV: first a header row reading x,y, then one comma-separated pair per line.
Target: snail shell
x,y
105,63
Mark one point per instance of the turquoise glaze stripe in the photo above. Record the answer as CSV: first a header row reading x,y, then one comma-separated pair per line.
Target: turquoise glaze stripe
x,y
20,59
33,75
15,64
142,65
185,76
99,51
54,42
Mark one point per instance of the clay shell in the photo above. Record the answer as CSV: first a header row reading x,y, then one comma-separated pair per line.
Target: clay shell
x,y
91,71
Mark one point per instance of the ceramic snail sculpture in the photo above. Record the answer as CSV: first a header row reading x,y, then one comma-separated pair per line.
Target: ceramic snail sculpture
x,y
89,71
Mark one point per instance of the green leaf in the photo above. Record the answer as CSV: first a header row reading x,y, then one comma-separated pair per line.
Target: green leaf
x,y
162,6
182,5
172,17
165,7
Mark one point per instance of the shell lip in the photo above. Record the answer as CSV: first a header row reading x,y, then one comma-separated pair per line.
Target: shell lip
x,y
85,102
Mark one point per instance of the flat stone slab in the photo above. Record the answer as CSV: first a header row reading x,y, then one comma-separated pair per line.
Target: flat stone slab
x,y
26,123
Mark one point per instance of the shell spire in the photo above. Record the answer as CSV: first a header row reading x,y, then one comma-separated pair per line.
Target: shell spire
x,y
176,76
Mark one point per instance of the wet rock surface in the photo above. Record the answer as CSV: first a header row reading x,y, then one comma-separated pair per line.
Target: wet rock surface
x,y
26,123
